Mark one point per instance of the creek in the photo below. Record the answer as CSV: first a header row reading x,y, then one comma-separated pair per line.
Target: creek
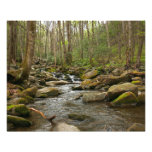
x,y
101,116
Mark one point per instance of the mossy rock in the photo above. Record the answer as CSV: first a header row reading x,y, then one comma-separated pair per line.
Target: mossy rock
x,y
19,101
90,75
136,82
18,121
127,98
78,117
137,79
30,92
116,90
47,91
18,110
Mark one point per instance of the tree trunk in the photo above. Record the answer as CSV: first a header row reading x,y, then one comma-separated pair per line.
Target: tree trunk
x,y
69,51
30,42
13,41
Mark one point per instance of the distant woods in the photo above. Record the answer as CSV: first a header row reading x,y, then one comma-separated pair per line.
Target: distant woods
x,y
76,43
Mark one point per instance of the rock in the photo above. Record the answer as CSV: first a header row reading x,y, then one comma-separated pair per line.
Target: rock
x,y
137,73
90,74
94,97
42,82
19,100
18,110
137,79
141,88
141,98
78,117
18,121
89,84
32,79
62,126
137,82
104,80
117,72
46,92
136,127
54,83
30,92
116,90
127,98
77,87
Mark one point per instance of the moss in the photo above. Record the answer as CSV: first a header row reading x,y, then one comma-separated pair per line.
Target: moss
x,y
19,110
18,121
125,98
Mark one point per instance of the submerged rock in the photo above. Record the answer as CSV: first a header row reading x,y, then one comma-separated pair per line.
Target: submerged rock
x,y
62,126
94,97
18,121
127,98
18,110
116,90
78,117
46,92
90,74
79,87
136,127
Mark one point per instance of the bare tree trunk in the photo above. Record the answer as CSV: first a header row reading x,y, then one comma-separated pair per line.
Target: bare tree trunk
x,y
81,37
13,41
54,42
107,31
30,42
69,55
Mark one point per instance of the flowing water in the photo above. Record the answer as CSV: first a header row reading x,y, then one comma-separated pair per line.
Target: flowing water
x,y
101,116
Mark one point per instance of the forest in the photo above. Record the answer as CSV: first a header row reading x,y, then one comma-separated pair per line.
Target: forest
x,y
76,75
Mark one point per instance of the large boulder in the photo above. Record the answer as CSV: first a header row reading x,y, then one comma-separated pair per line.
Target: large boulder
x,y
136,127
18,121
116,90
94,97
90,74
46,92
18,110
62,126
127,98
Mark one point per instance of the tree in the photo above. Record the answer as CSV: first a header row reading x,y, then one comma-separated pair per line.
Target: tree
x,y
69,51
30,42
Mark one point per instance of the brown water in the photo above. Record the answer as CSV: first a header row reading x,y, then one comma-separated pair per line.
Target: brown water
x,y
101,116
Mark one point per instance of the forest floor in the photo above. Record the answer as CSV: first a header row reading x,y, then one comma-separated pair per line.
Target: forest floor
x,y
81,99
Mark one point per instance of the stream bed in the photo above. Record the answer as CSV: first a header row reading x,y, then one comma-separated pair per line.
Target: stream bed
x,y
101,116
